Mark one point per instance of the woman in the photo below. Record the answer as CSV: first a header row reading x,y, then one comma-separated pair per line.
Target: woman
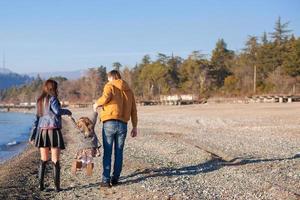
x,y
46,131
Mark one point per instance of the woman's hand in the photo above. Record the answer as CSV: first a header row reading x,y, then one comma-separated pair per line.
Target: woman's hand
x,y
69,113
31,142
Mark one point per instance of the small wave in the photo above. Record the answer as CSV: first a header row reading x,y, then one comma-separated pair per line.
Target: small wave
x,y
9,145
12,143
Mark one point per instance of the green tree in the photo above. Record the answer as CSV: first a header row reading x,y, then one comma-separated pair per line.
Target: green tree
x,y
162,58
264,38
95,81
292,58
127,76
280,34
173,64
117,66
230,84
137,83
154,79
146,60
220,60
194,74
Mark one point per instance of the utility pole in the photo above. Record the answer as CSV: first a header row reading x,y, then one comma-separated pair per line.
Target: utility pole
x,y
294,88
254,73
254,79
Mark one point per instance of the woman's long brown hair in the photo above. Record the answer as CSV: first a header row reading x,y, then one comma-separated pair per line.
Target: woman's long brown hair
x,y
49,89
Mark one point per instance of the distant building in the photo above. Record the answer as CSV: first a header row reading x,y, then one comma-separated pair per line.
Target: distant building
x,y
178,99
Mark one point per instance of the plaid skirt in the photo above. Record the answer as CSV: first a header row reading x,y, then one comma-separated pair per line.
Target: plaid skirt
x,y
50,138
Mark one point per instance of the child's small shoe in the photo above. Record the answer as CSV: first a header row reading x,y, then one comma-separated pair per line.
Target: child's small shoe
x,y
75,166
89,169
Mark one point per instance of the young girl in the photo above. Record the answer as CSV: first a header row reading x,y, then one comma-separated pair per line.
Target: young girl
x,y
46,131
89,146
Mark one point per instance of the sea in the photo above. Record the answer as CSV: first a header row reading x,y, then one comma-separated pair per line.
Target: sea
x,y
14,133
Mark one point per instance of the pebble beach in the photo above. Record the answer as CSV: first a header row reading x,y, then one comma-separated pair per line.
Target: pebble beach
x,y
208,151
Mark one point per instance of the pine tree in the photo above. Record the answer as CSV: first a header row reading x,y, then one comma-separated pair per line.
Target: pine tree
x,y
280,34
194,74
291,63
117,66
221,56
264,38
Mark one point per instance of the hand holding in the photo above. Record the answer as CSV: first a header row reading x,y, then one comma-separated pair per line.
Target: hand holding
x,y
95,106
69,113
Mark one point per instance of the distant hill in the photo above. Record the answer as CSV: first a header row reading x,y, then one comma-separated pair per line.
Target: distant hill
x,y
9,78
71,75
4,71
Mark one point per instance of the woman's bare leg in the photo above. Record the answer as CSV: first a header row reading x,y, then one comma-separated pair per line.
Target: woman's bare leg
x,y
44,153
55,153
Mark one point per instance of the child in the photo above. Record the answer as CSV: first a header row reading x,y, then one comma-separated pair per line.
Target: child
x,y
88,146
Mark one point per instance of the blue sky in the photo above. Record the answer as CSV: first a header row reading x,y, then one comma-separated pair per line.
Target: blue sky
x,y
61,35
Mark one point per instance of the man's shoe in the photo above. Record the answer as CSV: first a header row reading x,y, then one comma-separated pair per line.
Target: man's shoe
x,y
105,185
114,182
297,155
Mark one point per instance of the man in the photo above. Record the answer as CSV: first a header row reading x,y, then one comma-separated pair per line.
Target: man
x,y
118,106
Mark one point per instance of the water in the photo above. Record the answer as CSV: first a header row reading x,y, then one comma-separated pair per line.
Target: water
x,y
14,133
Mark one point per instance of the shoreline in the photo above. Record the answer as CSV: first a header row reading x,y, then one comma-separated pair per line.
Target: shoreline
x,y
18,175
19,147
18,171
16,150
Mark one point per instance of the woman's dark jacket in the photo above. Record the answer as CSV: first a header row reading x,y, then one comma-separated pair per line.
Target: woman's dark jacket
x,y
51,118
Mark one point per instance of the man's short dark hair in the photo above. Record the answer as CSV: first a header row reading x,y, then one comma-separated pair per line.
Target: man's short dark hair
x,y
115,74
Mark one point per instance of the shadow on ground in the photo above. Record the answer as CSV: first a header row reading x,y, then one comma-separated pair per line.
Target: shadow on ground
x,y
209,166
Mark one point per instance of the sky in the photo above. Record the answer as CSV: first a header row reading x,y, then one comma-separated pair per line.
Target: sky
x,y
67,35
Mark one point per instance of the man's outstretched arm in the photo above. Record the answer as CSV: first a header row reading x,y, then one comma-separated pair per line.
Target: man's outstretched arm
x,y
106,96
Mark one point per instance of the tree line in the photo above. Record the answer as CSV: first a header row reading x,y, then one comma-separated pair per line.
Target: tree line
x,y
268,64
84,89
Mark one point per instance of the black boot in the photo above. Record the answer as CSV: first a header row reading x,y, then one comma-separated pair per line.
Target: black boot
x,y
56,174
42,168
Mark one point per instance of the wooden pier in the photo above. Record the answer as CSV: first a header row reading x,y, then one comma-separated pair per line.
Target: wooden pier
x,y
173,100
274,99
9,107
21,107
